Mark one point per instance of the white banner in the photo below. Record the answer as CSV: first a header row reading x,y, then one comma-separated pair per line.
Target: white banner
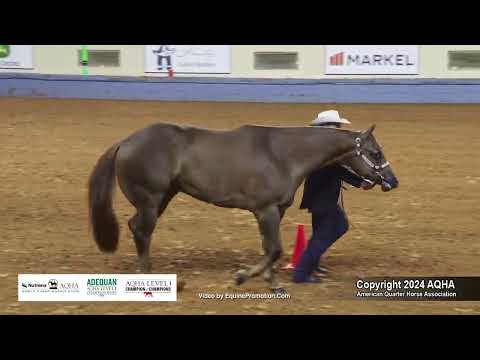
x,y
371,59
194,59
16,57
97,287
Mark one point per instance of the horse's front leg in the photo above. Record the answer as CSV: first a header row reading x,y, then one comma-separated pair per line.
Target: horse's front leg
x,y
269,222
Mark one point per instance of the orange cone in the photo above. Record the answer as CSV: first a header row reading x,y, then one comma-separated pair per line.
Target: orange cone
x,y
300,245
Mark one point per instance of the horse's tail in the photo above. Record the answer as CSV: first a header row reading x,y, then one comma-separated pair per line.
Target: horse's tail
x,y
100,193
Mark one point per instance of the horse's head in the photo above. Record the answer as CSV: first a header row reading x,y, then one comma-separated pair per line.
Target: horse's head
x,y
369,161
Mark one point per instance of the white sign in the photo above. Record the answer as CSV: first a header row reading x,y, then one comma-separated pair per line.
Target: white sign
x,y
16,56
371,59
194,59
97,287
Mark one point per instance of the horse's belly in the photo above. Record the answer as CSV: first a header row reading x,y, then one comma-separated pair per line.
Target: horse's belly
x,y
239,189
217,190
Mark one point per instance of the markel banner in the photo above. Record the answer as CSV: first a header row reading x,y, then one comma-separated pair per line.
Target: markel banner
x,y
371,59
188,59
16,57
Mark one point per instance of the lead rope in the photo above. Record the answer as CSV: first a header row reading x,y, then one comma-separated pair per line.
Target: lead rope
x,y
341,199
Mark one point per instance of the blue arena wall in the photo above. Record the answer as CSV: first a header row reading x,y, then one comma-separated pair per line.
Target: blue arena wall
x,y
415,91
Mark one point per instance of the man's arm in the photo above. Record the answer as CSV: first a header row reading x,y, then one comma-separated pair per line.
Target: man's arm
x,y
349,177
354,179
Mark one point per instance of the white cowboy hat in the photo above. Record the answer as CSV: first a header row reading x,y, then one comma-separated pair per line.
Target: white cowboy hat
x,y
328,117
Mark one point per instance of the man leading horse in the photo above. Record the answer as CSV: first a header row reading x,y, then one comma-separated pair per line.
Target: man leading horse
x,y
321,193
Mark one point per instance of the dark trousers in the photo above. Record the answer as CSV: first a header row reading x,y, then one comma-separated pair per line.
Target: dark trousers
x,y
327,227
168,59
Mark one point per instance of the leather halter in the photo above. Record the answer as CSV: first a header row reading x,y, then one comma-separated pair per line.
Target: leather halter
x,y
371,164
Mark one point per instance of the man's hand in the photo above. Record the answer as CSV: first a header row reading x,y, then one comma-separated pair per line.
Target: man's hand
x,y
367,184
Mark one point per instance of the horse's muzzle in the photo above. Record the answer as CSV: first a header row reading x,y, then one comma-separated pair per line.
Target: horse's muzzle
x,y
389,184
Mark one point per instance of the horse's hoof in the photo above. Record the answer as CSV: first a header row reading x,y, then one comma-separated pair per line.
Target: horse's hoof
x,y
279,291
240,277
268,277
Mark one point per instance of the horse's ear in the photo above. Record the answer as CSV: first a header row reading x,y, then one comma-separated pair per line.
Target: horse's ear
x,y
369,132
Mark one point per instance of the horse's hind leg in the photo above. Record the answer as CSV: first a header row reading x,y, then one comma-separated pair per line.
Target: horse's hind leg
x,y
268,274
143,223
269,222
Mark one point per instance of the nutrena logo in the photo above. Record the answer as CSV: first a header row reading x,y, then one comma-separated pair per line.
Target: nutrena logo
x,y
4,51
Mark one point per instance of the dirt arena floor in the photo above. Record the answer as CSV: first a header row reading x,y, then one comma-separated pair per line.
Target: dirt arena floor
x,y
429,226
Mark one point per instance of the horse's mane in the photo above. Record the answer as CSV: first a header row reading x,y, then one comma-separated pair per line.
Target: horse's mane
x,y
299,127
266,127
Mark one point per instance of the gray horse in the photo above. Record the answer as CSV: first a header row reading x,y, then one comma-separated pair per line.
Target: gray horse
x,y
255,168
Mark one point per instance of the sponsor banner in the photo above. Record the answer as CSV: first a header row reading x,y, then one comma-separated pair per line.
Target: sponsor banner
x,y
372,59
97,287
193,59
16,57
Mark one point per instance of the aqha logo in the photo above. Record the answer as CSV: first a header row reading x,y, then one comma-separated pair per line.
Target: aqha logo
x,y
53,284
69,287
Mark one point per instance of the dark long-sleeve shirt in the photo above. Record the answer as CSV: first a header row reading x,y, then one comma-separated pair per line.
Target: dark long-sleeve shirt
x,y
322,187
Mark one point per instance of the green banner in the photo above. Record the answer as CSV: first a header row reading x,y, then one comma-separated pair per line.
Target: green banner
x,y
4,51
84,59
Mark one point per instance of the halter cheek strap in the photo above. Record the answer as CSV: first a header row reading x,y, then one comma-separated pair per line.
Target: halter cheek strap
x,y
359,152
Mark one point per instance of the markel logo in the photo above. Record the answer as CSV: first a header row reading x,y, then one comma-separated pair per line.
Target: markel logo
x,y
371,60
337,59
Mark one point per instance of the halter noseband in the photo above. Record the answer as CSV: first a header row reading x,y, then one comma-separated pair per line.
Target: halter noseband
x,y
358,152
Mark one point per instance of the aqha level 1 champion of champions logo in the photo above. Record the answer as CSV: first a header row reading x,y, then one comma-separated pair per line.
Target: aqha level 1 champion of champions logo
x,y
148,287
102,287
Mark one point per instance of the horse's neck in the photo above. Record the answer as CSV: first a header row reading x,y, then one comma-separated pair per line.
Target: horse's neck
x,y
317,147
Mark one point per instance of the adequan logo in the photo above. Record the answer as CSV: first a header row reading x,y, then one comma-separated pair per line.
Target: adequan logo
x,y
102,286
